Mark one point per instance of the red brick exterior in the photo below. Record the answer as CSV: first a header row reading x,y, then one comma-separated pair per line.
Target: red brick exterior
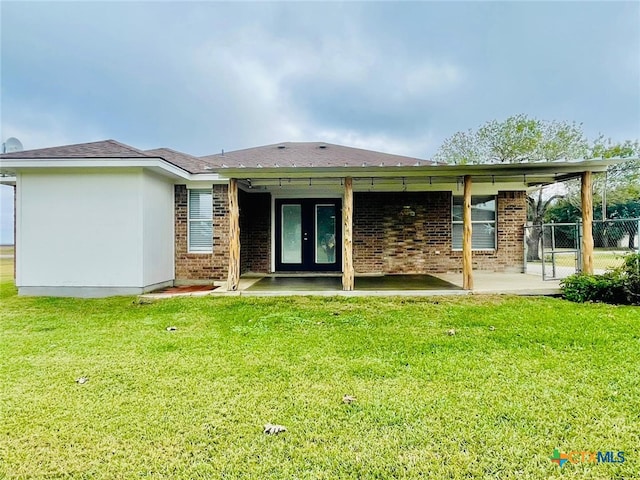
x,y
202,266
387,242
255,232
383,240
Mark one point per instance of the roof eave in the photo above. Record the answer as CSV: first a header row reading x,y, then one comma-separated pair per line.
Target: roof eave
x,y
498,170
9,166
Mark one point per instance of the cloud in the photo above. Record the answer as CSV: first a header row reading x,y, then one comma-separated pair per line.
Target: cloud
x,y
432,79
223,75
413,147
41,129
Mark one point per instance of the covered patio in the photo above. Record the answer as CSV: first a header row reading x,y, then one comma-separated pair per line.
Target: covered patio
x,y
347,182
394,285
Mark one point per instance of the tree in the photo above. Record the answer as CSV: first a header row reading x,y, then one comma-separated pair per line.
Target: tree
x,y
519,139
514,140
616,193
537,208
623,202
462,148
618,176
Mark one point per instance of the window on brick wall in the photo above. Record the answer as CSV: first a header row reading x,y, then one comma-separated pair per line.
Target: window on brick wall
x,y
200,219
483,222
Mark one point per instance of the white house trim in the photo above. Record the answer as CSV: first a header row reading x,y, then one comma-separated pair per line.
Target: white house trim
x,y
9,166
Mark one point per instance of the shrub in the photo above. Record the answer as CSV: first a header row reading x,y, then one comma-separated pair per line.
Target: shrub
x,y
608,288
630,272
621,285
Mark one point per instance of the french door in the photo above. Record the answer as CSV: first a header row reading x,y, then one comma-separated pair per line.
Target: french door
x,y
308,235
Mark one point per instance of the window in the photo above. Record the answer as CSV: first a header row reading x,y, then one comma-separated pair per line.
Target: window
x,y
200,220
483,222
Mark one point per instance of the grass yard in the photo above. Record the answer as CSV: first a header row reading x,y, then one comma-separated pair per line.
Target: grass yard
x,y
6,269
603,260
191,403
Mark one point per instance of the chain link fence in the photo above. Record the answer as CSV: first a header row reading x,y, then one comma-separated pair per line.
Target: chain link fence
x,y
553,250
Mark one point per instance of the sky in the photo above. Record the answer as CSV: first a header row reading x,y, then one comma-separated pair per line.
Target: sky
x,y
397,77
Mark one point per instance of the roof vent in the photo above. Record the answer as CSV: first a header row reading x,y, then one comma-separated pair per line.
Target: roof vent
x,y
281,147
322,146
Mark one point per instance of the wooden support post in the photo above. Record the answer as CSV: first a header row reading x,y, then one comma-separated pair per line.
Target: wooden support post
x,y
587,223
467,262
233,278
348,275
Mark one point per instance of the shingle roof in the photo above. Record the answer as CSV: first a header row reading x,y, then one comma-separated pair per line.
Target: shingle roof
x,y
113,149
288,154
183,160
308,154
101,149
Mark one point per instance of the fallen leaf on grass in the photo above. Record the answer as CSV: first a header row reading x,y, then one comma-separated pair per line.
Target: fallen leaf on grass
x,y
82,380
348,399
270,429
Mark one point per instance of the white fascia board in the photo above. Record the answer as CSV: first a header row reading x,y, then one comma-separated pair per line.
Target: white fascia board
x,y
9,180
549,169
10,165
319,191
199,180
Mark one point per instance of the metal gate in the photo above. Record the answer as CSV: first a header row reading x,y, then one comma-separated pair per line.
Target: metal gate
x,y
553,250
561,245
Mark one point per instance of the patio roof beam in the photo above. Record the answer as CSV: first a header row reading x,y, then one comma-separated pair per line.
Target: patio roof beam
x,y
546,169
374,183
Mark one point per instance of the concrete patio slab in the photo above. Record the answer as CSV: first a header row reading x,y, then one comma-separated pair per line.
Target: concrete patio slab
x,y
506,283
369,283
391,285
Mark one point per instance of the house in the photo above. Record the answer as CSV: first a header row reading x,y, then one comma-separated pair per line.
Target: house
x,y
104,218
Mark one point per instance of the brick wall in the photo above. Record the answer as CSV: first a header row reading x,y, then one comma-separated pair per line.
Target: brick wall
x,y
255,232
385,241
203,266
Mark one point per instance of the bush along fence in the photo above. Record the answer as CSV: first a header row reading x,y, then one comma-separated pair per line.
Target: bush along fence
x,y
620,285
553,250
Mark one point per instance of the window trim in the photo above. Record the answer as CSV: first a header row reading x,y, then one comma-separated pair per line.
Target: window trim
x,y
461,222
189,220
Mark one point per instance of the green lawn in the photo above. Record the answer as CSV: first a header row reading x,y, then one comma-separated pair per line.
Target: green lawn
x,y
483,403
6,269
603,260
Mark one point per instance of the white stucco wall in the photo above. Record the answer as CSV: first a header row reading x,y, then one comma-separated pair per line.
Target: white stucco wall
x,y
158,229
82,233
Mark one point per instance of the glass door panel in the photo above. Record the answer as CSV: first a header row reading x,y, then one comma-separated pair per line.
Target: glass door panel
x,y
308,235
291,234
325,227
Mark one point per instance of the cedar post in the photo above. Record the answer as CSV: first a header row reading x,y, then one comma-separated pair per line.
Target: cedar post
x,y
347,220
587,223
467,263
234,237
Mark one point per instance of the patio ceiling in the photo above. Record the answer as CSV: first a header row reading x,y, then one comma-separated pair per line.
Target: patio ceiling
x,y
524,174
487,178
